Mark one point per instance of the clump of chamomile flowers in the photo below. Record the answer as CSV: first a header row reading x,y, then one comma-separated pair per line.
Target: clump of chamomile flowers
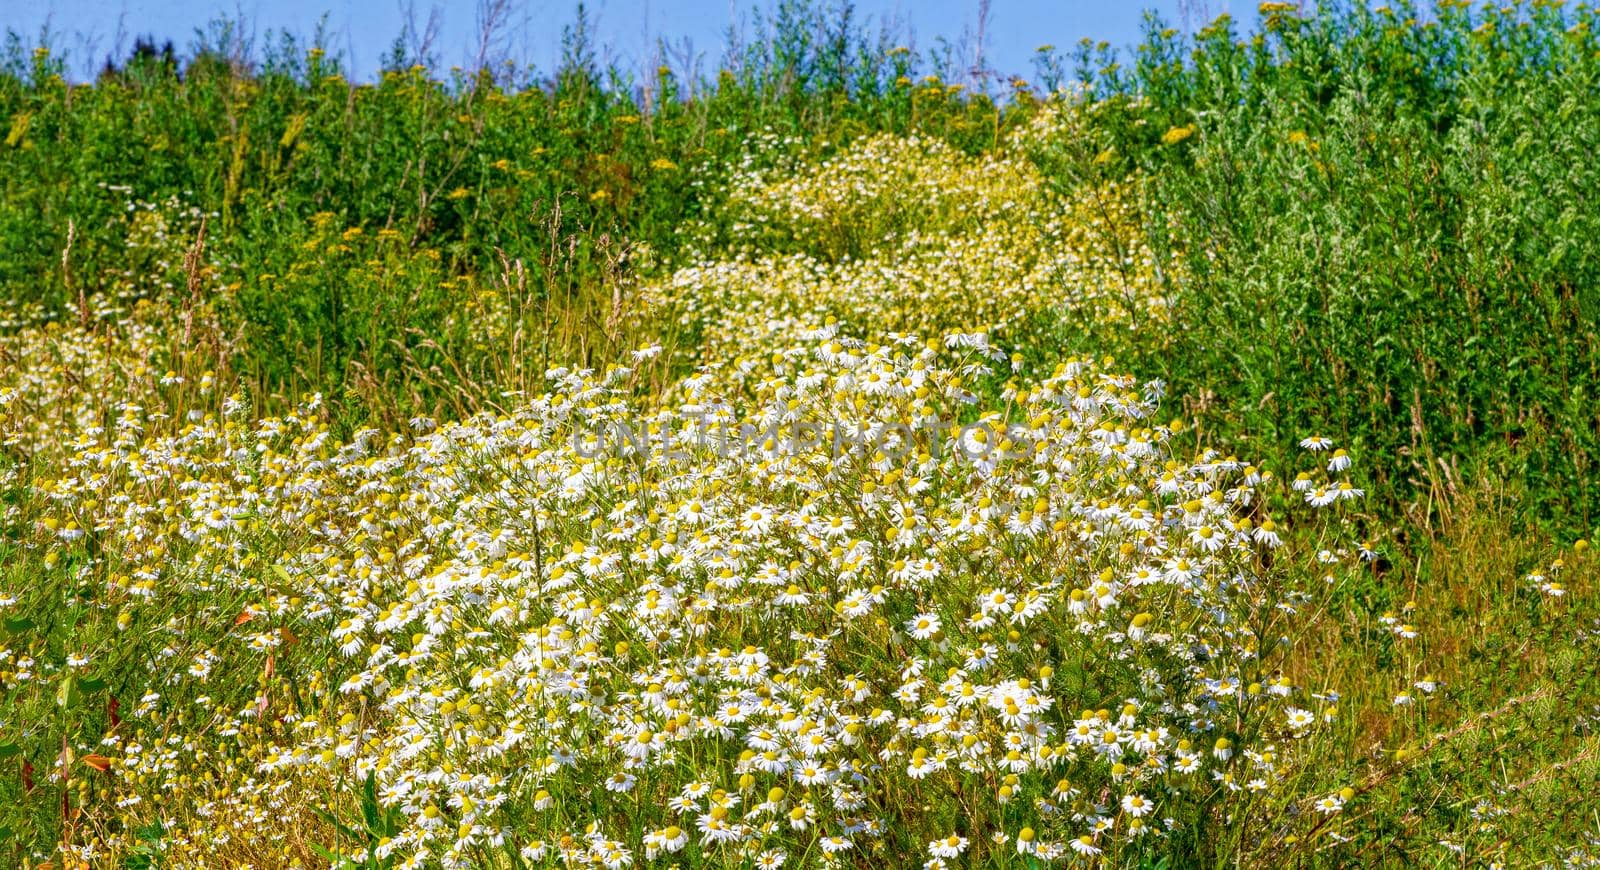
x,y
911,235
859,612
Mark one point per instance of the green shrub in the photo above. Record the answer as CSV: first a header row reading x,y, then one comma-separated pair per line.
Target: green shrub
x,y
1385,219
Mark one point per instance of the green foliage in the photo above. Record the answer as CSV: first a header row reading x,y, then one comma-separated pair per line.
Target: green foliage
x,y
461,176
1375,225
377,825
1380,216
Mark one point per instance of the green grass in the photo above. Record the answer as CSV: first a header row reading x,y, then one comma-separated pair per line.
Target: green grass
x,y
463,175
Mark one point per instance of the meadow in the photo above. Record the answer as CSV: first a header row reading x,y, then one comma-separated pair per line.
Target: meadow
x,y
1176,459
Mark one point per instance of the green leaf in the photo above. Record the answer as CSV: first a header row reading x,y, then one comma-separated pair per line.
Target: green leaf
x,y
18,624
369,805
9,749
327,854
68,695
333,820
92,684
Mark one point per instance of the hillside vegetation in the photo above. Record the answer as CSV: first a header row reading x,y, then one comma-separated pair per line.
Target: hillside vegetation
x,y
1177,459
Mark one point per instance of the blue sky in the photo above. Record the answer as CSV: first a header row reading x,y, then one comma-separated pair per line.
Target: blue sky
x,y
628,29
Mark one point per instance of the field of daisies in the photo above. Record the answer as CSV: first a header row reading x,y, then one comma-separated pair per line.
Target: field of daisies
x,y
1182,458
